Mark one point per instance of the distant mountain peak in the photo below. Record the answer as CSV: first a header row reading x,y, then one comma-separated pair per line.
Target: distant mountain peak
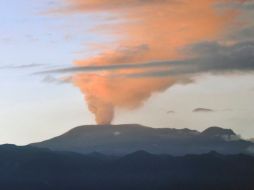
x,y
217,131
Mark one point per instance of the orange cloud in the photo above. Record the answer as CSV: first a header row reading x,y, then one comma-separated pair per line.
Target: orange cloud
x,y
151,30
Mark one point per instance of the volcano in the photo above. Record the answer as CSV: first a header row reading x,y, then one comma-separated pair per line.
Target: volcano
x,y
128,138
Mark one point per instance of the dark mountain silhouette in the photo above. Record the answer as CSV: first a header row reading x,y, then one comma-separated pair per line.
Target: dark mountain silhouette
x,y
32,168
124,139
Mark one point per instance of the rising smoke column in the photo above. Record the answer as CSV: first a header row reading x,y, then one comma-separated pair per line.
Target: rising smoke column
x,y
153,30
104,93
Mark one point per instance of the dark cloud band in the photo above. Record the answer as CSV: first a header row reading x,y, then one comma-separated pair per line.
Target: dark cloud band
x,y
213,57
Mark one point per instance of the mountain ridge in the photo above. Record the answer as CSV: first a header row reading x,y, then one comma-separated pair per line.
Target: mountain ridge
x,y
26,167
126,138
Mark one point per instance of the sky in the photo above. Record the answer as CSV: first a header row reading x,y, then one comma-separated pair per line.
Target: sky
x,y
160,63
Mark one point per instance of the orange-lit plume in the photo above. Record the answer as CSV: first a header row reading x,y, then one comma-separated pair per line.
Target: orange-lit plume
x,y
104,93
151,30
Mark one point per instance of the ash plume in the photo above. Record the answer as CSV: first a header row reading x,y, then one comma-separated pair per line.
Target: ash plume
x,y
152,31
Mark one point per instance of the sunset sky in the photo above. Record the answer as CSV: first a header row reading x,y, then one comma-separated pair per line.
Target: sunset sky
x,y
66,63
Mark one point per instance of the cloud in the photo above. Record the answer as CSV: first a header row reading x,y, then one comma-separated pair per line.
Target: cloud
x,y
115,5
6,40
212,57
243,34
24,66
203,110
50,79
98,68
107,5
249,5
150,35
55,80
250,149
231,137
208,110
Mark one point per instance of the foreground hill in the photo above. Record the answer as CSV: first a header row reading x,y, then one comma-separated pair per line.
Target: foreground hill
x,y
124,139
41,169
